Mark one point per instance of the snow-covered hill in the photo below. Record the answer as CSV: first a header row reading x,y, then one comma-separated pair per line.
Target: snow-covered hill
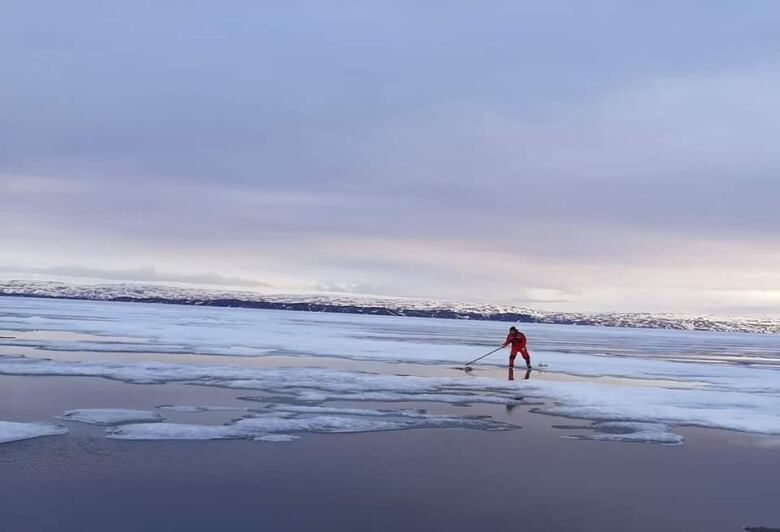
x,y
377,305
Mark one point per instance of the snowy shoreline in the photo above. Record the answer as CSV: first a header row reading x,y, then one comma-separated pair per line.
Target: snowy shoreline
x,y
346,304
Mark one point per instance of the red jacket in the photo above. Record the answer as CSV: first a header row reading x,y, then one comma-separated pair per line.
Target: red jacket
x,y
517,339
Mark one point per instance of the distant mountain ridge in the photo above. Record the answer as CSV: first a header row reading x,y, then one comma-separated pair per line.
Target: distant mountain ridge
x,y
378,306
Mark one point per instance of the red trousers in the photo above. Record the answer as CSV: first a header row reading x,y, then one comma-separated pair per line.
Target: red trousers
x,y
523,351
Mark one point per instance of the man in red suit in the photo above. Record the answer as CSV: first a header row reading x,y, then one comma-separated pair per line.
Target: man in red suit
x,y
518,341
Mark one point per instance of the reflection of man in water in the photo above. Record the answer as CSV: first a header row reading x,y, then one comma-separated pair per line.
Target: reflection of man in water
x,y
511,375
518,341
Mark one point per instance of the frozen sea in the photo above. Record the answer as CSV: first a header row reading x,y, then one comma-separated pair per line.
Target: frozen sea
x,y
237,419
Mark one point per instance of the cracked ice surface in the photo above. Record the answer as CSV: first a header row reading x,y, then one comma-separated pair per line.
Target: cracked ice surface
x,y
110,416
303,391
702,379
14,431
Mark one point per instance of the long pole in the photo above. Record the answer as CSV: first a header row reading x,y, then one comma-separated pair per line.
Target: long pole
x,y
483,356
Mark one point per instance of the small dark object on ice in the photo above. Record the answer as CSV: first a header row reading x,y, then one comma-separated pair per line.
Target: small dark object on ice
x,y
761,529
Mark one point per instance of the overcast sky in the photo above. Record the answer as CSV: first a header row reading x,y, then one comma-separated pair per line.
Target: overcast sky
x,y
600,155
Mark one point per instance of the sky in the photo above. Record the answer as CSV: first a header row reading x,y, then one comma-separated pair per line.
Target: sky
x,y
563,155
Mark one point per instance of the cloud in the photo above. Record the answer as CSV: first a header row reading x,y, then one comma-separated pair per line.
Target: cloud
x,y
321,149
146,274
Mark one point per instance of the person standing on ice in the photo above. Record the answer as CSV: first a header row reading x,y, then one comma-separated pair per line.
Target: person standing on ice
x,y
518,342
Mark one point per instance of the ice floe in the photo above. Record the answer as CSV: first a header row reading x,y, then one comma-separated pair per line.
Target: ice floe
x,y
627,431
748,412
193,409
110,416
15,431
172,431
286,421
278,438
